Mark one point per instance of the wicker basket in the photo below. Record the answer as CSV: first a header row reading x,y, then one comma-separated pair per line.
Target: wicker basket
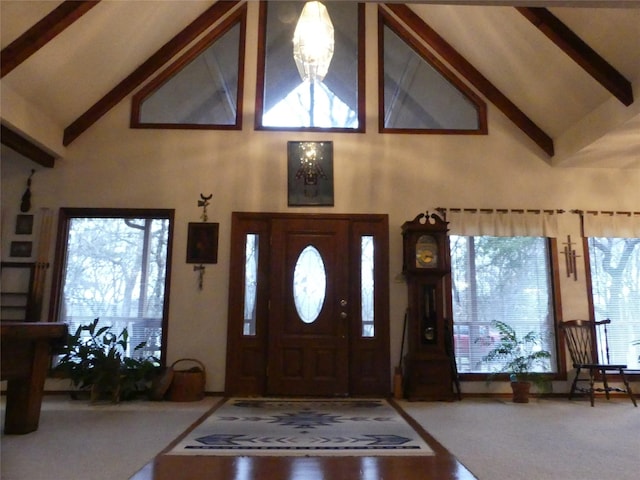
x,y
187,385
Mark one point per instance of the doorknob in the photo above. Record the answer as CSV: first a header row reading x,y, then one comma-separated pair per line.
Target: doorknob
x,y
343,303
343,314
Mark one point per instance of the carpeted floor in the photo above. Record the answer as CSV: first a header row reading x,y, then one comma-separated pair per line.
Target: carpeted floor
x,y
292,427
544,440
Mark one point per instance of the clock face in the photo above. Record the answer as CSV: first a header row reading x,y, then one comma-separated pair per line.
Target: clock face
x,y
426,252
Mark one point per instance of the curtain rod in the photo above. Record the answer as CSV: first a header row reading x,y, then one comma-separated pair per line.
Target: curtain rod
x,y
498,210
605,212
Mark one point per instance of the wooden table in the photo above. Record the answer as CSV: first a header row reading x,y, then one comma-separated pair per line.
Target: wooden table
x,y
26,349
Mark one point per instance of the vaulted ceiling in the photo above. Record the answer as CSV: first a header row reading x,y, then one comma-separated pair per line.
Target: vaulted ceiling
x,y
569,68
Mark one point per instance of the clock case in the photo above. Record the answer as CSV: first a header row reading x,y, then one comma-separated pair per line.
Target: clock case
x,y
429,365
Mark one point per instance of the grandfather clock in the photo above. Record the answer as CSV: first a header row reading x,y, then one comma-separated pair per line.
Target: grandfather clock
x,y
428,363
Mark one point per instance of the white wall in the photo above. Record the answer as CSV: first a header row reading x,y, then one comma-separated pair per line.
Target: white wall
x,y
111,165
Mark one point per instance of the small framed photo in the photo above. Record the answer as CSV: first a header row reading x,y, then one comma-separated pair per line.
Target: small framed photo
x,y
310,174
202,242
21,249
24,225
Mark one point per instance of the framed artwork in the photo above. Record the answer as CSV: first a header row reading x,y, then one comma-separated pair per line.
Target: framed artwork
x,y
202,242
24,225
310,174
20,249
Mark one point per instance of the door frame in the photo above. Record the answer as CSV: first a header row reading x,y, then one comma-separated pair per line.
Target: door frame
x,y
247,355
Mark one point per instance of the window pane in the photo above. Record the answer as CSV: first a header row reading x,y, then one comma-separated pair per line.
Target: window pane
x,y
115,270
499,278
250,284
615,283
204,92
367,286
418,96
290,102
309,284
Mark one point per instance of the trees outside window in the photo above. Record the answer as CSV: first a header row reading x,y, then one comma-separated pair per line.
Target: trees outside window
x,y
615,289
499,278
114,266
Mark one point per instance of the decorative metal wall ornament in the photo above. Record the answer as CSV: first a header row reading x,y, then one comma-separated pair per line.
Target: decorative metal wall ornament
x,y
310,173
204,203
202,241
570,258
200,269
25,204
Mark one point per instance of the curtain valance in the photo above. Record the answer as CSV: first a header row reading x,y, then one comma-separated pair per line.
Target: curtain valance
x,y
610,224
502,222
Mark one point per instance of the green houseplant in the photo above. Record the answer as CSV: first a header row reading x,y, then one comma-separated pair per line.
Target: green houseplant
x,y
519,357
94,359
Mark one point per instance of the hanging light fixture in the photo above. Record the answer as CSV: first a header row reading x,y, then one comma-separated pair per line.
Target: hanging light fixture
x,y
313,42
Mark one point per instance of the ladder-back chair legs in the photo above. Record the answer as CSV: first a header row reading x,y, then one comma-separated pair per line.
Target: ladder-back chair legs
x,y
582,341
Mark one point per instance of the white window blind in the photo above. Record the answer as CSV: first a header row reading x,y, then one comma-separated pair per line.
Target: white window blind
x,y
614,259
499,278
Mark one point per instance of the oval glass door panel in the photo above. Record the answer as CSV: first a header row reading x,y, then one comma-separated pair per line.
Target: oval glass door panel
x,y
309,284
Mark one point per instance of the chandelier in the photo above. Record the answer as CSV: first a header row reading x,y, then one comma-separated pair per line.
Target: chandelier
x,y
313,42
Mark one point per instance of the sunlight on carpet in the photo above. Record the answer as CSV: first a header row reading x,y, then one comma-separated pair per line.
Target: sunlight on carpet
x,y
296,427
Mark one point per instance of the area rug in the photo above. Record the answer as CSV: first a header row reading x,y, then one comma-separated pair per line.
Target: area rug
x,y
296,427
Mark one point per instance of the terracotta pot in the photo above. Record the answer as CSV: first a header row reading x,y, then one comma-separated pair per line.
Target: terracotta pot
x,y
521,391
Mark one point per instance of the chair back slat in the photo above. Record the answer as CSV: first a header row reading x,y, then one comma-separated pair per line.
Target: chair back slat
x,y
580,338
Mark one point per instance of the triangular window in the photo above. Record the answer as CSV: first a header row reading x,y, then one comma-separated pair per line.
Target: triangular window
x,y
418,93
203,88
284,99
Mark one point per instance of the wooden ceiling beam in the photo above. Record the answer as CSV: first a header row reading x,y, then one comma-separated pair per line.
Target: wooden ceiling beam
x,y
580,52
150,66
42,32
479,81
25,147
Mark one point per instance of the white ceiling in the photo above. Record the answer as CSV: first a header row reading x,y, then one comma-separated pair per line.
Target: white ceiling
x,y
589,126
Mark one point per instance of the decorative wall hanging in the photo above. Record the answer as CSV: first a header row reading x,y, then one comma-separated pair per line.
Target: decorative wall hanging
x,y
21,249
24,224
204,203
202,243
570,258
310,173
25,204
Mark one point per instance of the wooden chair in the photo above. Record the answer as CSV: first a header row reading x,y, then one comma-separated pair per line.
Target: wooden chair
x,y
581,341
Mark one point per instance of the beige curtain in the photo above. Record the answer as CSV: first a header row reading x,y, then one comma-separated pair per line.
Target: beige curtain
x,y
503,223
611,224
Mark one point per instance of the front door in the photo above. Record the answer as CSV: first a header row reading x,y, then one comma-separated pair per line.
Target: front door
x,y
308,305
309,311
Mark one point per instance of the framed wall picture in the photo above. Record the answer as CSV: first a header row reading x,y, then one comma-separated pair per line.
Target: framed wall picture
x,y
20,249
24,224
202,242
310,174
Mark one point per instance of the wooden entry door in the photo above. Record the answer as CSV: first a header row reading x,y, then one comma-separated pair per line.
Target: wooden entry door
x,y
337,347
309,312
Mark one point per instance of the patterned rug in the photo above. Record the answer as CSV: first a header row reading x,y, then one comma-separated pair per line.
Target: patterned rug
x,y
277,427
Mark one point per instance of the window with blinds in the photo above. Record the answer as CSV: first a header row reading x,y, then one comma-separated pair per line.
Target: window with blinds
x,y
615,288
499,278
115,269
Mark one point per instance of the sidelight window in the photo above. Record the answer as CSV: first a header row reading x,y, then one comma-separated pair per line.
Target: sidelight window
x,y
367,285
250,283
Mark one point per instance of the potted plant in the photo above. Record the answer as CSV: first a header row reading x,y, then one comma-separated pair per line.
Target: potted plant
x,y
94,359
519,357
